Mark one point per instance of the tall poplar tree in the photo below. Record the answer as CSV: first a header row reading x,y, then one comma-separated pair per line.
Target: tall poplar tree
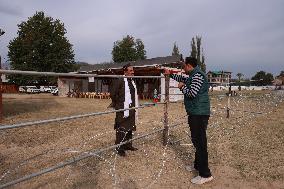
x,y
175,51
197,53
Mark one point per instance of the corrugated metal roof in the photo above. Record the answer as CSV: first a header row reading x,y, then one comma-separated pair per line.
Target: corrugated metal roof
x,y
138,63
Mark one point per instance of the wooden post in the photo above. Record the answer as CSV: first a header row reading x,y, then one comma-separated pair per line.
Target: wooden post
x,y
97,86
1,106
166,117
1,110
101,85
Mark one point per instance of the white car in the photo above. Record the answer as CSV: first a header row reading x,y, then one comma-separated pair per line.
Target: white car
x,y
22,89
55,92
42,89
52,87
47,89
32,89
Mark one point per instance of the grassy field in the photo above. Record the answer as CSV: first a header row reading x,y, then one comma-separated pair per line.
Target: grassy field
x,y
245,150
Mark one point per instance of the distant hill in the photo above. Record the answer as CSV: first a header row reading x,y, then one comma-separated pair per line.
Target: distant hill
x,y
82,63
85,64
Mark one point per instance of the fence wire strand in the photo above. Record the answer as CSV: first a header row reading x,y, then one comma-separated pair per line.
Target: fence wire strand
x,y
81,157
2,127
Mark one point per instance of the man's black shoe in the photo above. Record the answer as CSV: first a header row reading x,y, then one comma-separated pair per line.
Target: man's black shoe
x,y
131,148
121,153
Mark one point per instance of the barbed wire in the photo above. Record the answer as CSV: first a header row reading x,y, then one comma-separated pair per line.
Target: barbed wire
x,y
81,157
244,114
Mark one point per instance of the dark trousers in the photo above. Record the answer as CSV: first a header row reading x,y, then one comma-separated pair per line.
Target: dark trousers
x,y
123,135
198,125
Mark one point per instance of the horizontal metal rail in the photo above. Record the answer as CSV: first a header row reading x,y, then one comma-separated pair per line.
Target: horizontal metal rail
x,y
70,74
252,112
237,110
176,102
171,94
71,117
78,158
177,124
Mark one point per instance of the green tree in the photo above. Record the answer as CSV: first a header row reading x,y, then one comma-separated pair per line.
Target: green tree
x,y
281,74
140,51
239,75
202,62
198,47
175,51
262,78
193,48
128,49
197,53
41,46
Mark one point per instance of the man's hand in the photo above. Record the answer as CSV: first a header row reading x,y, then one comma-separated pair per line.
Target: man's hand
x,y
180,85
167,72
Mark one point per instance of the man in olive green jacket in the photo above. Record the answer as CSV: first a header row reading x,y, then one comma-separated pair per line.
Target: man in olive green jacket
x,y
197,105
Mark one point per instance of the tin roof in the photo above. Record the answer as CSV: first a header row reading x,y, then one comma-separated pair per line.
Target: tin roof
x,y
139,63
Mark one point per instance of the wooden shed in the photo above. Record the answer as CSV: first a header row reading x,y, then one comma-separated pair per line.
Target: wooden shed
x,y
147,67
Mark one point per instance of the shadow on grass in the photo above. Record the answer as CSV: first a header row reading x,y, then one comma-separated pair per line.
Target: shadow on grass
x,y
14,107
183,152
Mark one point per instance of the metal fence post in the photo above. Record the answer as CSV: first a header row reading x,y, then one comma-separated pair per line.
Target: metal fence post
x,y
228,106
166,117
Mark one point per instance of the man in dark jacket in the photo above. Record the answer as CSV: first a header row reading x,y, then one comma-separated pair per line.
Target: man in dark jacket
x,y
124,95
197,105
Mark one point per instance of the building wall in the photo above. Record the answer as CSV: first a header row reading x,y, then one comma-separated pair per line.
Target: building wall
x,y
66,85
85,85
174,91
4,78
99,85
220,78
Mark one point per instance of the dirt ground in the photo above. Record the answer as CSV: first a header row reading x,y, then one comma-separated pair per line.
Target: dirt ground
x,y
245,150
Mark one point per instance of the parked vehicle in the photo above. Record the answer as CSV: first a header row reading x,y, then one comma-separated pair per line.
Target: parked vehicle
x,y
52,87
47,89
42,89
32,89
22,89
55,92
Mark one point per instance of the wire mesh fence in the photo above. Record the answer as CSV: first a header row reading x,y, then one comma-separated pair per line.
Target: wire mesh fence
x,y
243,109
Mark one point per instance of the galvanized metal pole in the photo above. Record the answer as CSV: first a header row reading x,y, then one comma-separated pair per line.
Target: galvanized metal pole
x,y
166,117
2,127
228,105
70,74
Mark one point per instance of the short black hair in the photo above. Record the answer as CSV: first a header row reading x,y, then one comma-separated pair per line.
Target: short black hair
x,y
191,60
126,66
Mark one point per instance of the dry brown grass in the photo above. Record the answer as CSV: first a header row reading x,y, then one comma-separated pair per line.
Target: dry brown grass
x,y
245,151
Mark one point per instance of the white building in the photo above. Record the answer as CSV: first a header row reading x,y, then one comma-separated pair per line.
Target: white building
x,y
219,78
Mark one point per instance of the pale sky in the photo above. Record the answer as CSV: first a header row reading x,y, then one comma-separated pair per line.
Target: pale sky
x,y
243,36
